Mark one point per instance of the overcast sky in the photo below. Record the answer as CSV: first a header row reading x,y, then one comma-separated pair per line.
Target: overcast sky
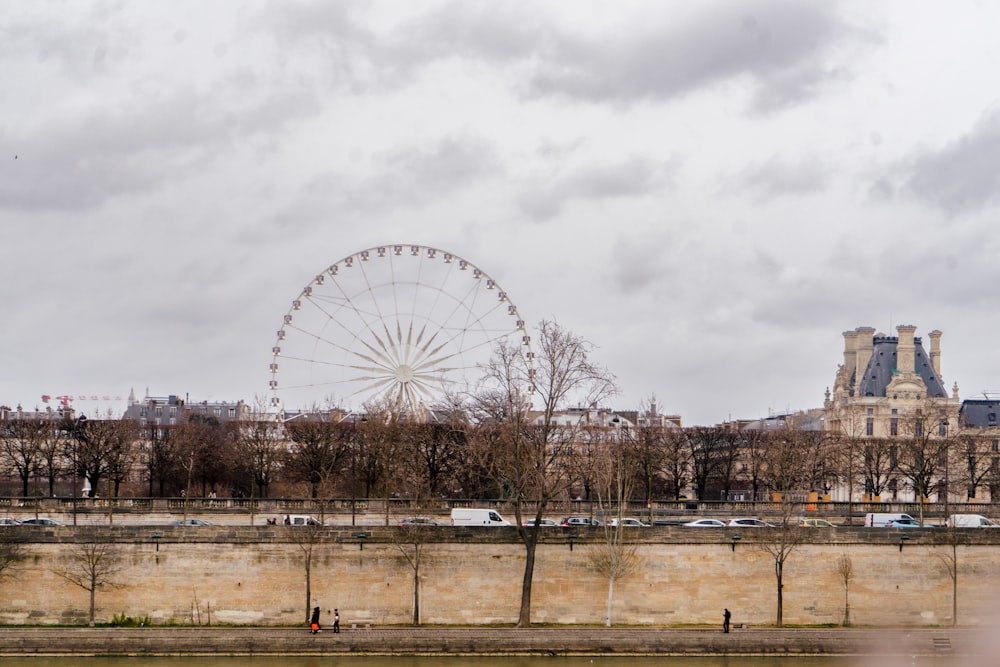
x,y
709,192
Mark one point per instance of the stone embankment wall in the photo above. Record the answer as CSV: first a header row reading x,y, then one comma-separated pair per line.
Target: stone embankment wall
x,y
256,575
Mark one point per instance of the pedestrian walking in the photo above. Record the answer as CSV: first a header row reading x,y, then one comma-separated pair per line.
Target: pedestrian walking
x,y
336,620
314,621
725,620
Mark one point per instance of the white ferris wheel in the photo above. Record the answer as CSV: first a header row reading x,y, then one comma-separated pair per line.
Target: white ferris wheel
x,y
405,323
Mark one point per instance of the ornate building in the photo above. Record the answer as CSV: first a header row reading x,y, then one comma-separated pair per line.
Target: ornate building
x,y
889,386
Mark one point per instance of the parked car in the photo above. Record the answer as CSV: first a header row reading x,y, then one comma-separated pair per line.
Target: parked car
x,y
883,519
9,521
41,521
629,522
190,522
749,522
301,520
542,523
580,521
817,523
906,523
418,521
706,523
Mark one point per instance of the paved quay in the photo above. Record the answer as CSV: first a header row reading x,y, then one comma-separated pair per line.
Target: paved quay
x,y
245,641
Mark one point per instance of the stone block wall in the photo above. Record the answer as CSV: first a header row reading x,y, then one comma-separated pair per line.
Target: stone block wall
x,y
256,576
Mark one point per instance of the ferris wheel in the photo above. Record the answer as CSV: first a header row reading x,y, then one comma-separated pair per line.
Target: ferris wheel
x,y
404,323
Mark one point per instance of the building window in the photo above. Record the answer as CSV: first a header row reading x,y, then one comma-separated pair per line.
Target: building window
x,y
159,412
173,411
995,445
871,411
232,413
870,426
918,428
943,428
894,426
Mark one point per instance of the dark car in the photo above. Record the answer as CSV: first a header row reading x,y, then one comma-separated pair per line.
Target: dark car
x,y
41,521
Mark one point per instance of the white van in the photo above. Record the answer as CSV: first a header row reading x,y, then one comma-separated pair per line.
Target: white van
x,y
468,516
882,519
970,521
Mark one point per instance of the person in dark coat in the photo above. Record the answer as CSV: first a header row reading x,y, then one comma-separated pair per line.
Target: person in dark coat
x,y
314,621
725,620
336,620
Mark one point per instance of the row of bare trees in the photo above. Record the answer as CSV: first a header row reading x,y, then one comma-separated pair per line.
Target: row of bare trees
x,y
497,443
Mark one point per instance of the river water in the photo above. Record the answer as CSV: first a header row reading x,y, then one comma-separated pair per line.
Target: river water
x,y
405,661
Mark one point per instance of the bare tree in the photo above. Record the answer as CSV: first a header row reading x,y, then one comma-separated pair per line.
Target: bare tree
x,y
92,565
676,461
845,570
708,453
753,446
319,449
878,463
780,542
975,461
411,540
615,557
258,451
922,457
534,456
306,537
650,452
949,558
22,443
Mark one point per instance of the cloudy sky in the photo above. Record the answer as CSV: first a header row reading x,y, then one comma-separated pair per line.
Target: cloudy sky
x,y
709,192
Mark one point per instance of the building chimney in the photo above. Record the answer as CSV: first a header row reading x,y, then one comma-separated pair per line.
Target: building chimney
x,y
905,349
865,347
935,337
850,351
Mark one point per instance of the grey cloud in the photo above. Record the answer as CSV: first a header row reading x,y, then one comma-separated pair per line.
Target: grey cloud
x,y
780,47
84,159
777,177
631,177
416,175
963,175
646,263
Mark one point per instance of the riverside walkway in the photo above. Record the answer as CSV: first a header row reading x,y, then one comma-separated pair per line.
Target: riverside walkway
x,y
246,641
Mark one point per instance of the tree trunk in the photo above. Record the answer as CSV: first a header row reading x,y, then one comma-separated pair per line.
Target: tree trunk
x,y
416,596
93,587
611,593
308,584
778,568
524,616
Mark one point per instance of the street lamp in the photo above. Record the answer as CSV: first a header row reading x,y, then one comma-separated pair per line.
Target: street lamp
x,y
735,539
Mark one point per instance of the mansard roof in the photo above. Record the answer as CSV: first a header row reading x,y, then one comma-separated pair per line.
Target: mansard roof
x,y
980,413
882,367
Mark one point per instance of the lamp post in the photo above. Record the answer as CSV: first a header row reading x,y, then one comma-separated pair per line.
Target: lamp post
x,y
735,539
902,538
